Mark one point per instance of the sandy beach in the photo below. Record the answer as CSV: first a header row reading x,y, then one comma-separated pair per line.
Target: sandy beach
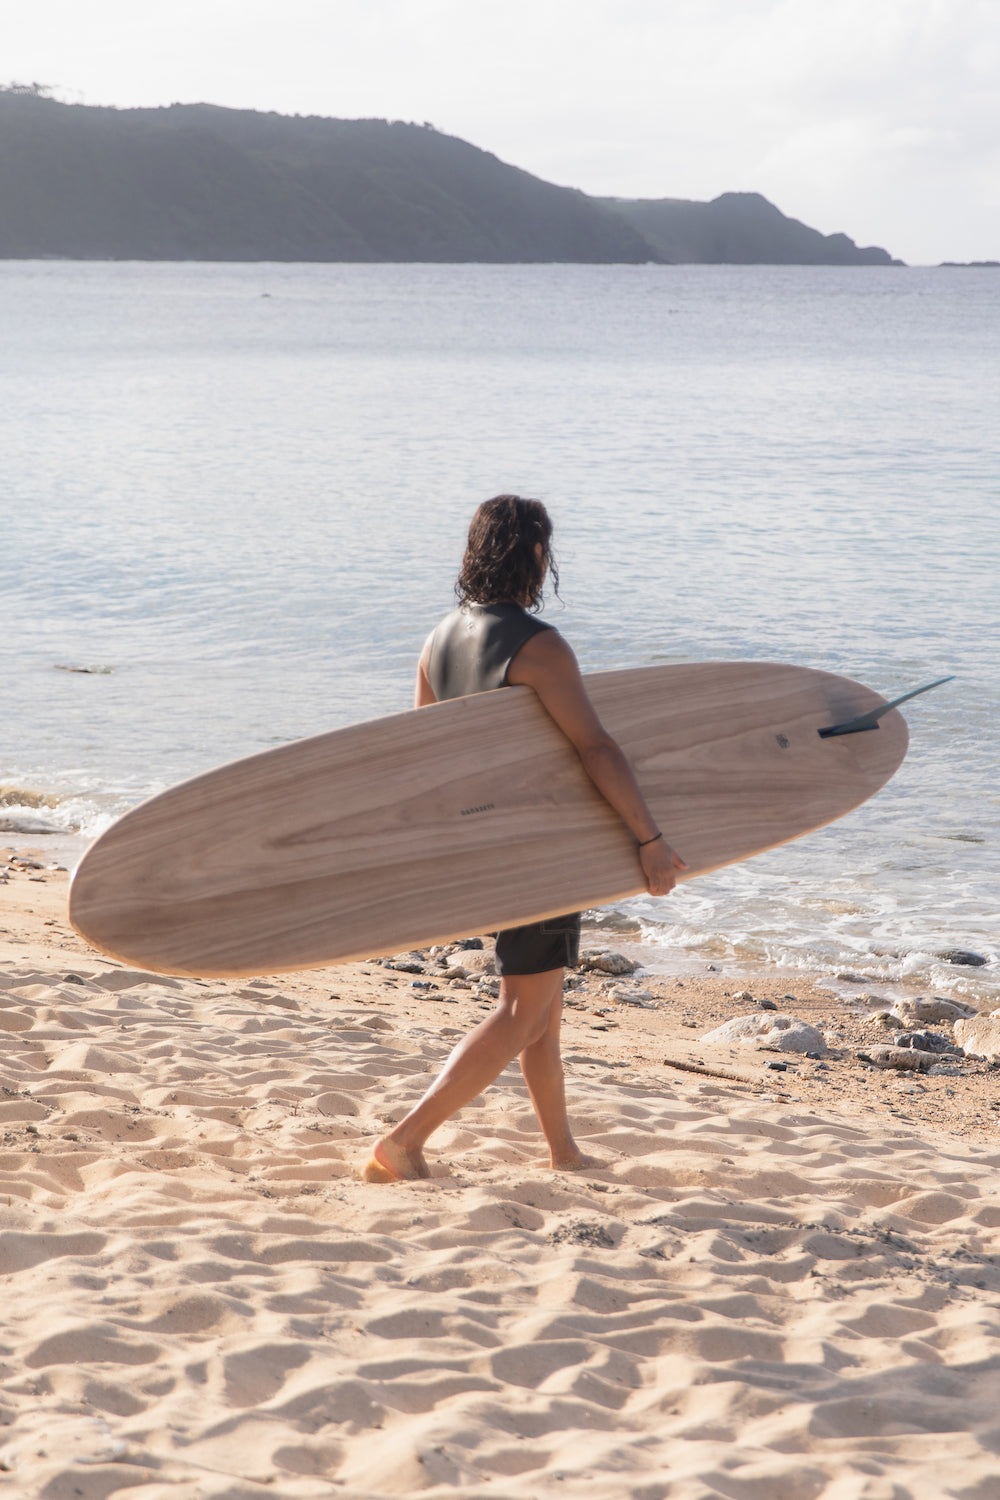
x,y
781,1281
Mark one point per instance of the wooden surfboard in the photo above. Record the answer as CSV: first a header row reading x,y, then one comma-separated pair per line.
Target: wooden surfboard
x,y
471,815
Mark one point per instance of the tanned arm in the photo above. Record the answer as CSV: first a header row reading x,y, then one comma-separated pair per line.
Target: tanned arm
x,y
423,692
547,664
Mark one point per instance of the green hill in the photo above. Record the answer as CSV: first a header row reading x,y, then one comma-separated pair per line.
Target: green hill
x,y
194,182
198,182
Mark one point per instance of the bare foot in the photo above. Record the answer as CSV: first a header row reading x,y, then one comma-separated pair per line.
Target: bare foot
x,y
573,1161
390,1163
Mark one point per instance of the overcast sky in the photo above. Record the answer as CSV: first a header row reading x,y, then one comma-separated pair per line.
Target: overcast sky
x,y
880,118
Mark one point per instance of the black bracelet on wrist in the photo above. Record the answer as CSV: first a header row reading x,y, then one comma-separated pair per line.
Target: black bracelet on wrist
x,y
650,841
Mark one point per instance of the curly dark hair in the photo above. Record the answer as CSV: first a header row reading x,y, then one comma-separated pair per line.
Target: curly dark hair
x,y
500,563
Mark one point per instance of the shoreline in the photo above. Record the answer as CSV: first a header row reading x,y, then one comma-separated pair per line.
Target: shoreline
x,y
690,997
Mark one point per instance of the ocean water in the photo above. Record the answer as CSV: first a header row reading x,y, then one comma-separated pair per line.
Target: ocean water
x,y
234,500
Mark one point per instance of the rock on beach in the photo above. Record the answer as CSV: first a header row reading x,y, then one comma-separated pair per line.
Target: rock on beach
x,y
775,1032
979,1036
931,1009
904,1059
963,957
602,961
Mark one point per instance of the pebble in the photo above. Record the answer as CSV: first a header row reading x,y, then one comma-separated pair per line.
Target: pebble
x,y
641,998
884,1020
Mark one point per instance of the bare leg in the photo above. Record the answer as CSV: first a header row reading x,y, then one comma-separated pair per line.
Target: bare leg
x,y
541,1064
520,1019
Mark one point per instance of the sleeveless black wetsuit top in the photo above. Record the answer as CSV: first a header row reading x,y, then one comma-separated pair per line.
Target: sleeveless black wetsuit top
x,y
473,647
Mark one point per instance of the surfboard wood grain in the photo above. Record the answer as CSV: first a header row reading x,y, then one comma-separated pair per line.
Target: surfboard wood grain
x,y
467,816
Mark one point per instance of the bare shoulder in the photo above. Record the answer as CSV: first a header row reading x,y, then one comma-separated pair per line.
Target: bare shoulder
x,y
543,655
547,664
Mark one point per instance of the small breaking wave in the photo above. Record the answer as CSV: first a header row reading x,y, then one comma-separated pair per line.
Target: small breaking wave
x,y
83,813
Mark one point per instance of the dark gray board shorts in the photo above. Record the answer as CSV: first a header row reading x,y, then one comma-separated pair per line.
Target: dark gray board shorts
x,y
539,946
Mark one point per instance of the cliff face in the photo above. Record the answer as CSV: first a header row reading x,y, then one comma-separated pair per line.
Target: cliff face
x,y
197,182
738,229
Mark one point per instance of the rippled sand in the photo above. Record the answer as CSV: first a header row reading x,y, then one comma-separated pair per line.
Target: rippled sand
x,y
752,1296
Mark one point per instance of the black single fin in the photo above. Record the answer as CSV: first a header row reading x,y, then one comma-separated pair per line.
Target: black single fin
x,y
870,719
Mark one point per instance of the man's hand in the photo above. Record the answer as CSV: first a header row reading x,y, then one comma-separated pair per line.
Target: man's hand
x,y
660,865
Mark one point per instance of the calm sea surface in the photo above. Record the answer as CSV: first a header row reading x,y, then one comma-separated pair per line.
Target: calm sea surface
x,y
238,495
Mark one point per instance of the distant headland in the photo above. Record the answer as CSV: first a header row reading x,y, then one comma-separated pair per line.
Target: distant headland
x,y
199,182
